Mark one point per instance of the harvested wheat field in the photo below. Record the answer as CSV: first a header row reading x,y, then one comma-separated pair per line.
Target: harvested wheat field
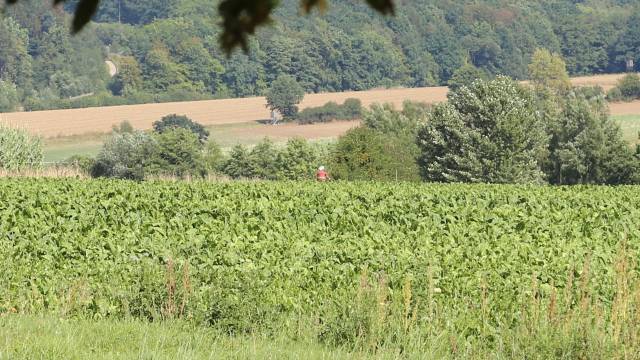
x,y
54,123
625,108
606,81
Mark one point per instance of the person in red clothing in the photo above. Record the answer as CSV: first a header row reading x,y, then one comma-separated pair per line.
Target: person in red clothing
x,y
322,174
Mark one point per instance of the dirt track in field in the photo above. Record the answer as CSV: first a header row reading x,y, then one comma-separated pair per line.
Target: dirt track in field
x,y
54,123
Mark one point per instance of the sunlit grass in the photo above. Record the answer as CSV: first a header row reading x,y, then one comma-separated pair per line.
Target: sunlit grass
x,y
630,125
30,337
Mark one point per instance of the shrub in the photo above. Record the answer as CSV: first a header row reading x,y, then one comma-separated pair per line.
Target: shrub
x,y
589,92
615,95
180,121
82,162
239,163
325,113
263,160
125,156
367,154
213,157
630,86
350,110
19,149
297,161
628,89
178,153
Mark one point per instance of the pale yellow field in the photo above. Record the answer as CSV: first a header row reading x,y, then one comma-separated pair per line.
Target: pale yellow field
x,y
54,123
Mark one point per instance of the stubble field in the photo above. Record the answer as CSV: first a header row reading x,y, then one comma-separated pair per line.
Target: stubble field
x,y
70,122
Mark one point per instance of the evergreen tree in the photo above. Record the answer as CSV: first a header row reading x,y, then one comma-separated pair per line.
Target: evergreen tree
x,y
489,132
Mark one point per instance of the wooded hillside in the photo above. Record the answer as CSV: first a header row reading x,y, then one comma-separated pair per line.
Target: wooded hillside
x,y
168,50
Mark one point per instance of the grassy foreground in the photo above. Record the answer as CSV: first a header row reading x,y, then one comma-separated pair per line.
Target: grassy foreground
x,y
29,337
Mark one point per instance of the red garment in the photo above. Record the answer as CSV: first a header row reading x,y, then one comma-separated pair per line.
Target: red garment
x,y
322,175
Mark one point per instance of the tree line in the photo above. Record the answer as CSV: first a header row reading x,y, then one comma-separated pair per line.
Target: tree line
x,y
169,50
489,131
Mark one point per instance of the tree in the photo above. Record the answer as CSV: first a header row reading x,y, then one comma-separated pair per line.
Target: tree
x,y
15,60
367,154
263,160
239,18
629,86
173,121
160,72
627,46
465,76
393,140
128,80
297,161
202,69
19,149
373,60
245,75
387,120
178,153
125,156
489,132
124,127
586,145
213,157
584,42
548,70
9,100
238,165
284,95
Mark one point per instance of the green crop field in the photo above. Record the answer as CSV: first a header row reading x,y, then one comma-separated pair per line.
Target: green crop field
x,y
449,269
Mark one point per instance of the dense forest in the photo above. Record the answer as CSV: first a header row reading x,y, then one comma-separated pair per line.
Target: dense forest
x,y
169,50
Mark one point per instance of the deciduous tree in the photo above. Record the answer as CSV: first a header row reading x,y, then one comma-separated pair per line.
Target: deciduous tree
x,y
284,96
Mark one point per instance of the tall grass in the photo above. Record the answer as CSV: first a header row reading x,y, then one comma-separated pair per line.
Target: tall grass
x,y
19,149
54,171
